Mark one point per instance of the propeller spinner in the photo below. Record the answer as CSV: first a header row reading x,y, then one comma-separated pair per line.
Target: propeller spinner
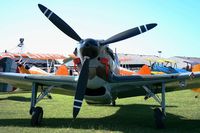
x,y
89,50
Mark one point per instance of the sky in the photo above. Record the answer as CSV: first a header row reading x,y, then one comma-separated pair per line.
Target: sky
x,y
177,32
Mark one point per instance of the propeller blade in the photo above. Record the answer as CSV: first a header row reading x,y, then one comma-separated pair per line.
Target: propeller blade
x,y
129,33
58,22
81,87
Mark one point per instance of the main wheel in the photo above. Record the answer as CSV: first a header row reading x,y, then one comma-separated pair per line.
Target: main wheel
x,y
37,116
158,115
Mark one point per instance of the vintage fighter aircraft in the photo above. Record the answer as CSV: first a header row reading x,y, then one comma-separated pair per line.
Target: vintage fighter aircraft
x,y
99,80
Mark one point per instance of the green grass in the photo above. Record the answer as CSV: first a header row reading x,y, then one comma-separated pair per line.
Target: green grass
x,y
130,114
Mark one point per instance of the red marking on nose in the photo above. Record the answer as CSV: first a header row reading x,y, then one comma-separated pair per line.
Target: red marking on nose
x,y
105,61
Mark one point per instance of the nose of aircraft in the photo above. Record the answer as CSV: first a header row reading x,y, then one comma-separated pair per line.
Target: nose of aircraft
x,y
89,48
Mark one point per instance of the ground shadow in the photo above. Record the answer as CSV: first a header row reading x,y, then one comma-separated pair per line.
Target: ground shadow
x,y
127,118
20,98
17,98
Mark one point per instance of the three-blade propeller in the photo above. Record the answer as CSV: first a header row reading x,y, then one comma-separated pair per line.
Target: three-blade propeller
x,y
84,73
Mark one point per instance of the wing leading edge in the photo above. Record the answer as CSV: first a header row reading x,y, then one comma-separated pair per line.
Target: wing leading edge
x,y
24,81
118,84
128,86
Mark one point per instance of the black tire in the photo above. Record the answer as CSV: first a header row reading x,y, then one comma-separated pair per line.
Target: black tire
x,y
158,115
37,116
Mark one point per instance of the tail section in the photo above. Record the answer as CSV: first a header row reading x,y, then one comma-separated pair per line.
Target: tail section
x,y
32,70
125,72
62,70
196,68
22,69
145,70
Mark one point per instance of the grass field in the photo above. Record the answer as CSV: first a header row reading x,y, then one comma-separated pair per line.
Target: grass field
x,y
130,115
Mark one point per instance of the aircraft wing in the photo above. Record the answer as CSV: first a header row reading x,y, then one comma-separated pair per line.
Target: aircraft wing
x,y
123,86
127,86
24,81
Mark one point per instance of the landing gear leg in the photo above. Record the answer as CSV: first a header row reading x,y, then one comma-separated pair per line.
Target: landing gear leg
x,y
160,115
36,112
